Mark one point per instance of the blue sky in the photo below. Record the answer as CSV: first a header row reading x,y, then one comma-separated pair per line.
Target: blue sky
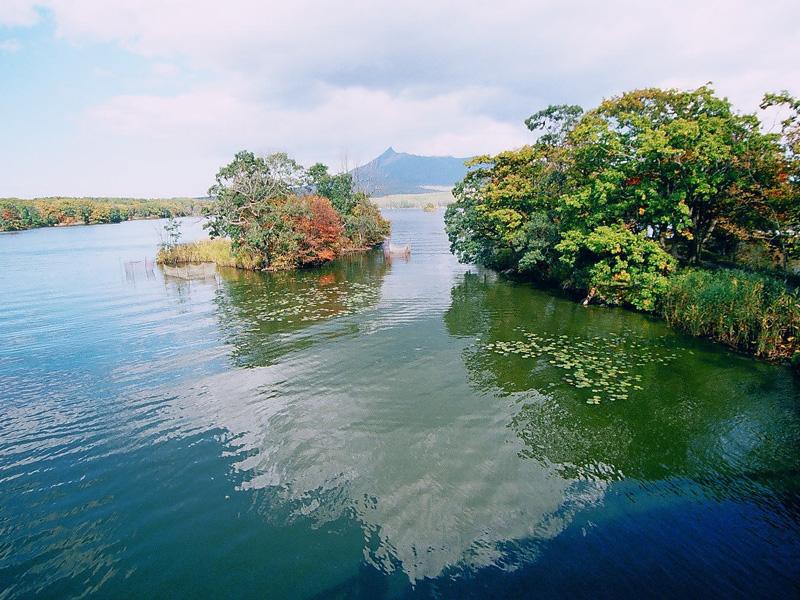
x,y
150,97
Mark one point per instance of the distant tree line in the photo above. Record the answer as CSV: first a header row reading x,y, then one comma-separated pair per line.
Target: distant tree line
x,y
17,214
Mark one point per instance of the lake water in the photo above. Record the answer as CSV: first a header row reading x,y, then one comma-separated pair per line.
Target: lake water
x,y
372,429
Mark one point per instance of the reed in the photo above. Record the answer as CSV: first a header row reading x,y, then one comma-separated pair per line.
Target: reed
x,y
751,312
218,251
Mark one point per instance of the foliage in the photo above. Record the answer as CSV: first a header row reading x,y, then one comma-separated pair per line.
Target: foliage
x,y
670,163
779,217
610,201
273,208
18,214
505,210
556,121
339,188
311,232
751,312
619,266
363,223
364,226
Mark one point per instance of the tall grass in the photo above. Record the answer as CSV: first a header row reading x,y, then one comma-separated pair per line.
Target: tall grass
x,y
218,251
748,311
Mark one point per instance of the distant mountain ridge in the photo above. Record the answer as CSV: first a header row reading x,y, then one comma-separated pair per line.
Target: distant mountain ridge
x,y
402,173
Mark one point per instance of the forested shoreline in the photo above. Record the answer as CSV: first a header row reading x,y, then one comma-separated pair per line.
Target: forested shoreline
x,y
665,201
18,214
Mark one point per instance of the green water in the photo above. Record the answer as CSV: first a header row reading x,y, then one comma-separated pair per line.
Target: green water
x,y
373,429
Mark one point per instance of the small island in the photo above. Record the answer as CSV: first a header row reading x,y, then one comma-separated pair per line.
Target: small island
x,y
269,213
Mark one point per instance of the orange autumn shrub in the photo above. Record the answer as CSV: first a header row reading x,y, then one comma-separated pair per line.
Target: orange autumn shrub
x,y
321,229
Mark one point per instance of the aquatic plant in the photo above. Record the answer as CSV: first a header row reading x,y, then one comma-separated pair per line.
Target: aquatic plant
x,y
603,367
318,302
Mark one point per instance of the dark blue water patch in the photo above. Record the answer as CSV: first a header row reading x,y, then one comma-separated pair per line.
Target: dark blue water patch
x,y
665,541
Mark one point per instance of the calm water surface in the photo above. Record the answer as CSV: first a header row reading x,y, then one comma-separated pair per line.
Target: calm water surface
x,y
372,429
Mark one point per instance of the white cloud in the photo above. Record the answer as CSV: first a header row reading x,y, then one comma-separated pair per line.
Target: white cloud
x,y
17,13
164,69
353,121
320,79
445,45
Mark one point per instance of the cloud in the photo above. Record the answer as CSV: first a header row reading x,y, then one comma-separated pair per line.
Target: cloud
x,y
320,79
441,46
18,13
353,121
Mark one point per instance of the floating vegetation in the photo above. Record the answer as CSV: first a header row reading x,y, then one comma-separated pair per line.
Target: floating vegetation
x,y
604,367
320,302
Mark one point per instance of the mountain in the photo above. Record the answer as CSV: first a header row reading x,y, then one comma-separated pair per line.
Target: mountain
x,y
401,173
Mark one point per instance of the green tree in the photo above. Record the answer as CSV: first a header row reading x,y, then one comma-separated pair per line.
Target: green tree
x,y
339,188
506,214
555,122
670,163
605,201
246,201
617,265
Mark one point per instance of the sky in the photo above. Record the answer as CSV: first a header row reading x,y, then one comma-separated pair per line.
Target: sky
x,y
150,97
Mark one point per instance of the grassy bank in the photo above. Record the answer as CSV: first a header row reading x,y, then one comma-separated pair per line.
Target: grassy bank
x,y
753,313
218,251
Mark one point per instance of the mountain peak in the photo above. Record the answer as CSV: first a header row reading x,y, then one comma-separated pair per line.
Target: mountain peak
x,y
400,173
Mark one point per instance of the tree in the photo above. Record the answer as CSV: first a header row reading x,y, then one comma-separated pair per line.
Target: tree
x,y
171,235
606,201
779,212
339,188
670,163
322,231
10,219
617,265
364,225
248,200
555,121
506,214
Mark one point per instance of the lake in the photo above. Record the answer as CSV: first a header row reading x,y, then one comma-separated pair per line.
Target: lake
x,y
372,429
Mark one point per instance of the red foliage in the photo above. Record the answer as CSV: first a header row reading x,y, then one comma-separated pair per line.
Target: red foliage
x,y
322,231
635,180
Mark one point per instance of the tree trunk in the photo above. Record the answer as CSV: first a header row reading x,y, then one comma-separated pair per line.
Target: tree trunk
x,y
592,294
700,240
